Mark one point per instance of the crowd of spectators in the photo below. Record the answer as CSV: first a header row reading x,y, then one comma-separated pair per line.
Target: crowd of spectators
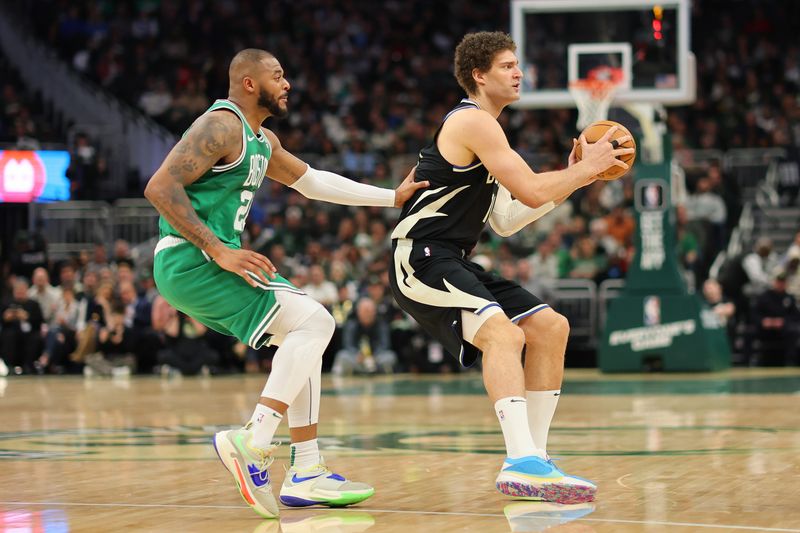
x,y
370,83
374,78
757,296
27,124
103,315
24,124
377,72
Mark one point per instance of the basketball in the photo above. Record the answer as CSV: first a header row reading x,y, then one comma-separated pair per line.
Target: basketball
x,y
596,130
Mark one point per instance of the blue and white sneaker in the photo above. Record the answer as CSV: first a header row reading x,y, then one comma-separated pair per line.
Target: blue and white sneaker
x,y
320,486
534,478
248,465
541,516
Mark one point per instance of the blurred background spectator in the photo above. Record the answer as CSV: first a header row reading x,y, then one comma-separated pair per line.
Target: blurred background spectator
x,y
21,335
114,355
185,350
778,320
366,344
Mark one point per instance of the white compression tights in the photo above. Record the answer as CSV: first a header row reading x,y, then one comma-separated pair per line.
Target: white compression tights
x,y
302,330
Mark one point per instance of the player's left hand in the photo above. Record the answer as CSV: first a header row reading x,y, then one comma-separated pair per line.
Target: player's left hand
x,y
571,161
572,157
407,188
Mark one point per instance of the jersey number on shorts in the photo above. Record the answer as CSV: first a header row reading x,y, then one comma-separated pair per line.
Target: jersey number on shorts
x,y
241,213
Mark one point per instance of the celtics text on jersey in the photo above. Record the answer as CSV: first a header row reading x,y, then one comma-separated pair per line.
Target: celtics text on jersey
x,y
222,197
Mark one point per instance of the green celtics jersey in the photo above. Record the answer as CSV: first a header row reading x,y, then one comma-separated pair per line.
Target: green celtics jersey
x,y
222,196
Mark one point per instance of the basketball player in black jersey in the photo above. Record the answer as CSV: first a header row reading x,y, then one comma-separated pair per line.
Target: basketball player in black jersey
x,y
473,173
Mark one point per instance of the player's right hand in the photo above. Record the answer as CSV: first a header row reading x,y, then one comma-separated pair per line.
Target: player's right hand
x,y
602,155
246,263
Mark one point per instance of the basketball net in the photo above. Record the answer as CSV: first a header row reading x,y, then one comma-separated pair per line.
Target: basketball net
x,y
594,93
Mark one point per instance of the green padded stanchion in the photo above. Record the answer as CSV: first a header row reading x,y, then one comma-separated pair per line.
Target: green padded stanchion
x,y
656,324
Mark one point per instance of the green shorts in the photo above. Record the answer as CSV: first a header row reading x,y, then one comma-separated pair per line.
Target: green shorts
x,y
195,285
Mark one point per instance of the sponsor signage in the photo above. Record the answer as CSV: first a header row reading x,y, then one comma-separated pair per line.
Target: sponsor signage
x,y
34,176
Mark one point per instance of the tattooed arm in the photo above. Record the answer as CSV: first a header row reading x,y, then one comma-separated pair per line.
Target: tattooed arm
x,y
214,137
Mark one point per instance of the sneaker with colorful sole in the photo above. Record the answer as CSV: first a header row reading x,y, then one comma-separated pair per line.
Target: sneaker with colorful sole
x,y
534,478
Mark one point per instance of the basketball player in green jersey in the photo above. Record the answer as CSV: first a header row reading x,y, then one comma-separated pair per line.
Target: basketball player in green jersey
x,y
203,190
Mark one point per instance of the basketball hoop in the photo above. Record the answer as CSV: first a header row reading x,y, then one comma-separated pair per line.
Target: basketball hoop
x,y
594,93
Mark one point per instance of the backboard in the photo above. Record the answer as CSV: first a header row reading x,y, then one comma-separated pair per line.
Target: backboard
x,y
559,41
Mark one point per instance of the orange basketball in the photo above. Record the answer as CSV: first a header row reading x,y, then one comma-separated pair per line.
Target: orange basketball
x,y
596,130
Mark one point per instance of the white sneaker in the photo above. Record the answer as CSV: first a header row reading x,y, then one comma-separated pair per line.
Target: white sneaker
x,y
248,466
3,369
320,486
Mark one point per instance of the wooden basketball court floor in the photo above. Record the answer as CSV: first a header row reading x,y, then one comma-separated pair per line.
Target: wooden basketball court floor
x,y
671,453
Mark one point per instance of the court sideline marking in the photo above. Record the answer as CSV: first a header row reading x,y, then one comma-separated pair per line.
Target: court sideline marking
x,y
399,511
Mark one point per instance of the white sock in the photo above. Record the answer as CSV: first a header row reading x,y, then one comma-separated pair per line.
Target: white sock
x,y
513,417
265,423
541,408
304,454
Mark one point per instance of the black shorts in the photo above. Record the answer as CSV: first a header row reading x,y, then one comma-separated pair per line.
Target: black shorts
x,y
432,281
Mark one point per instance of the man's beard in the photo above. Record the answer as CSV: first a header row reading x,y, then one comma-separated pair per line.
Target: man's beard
x,y
272,105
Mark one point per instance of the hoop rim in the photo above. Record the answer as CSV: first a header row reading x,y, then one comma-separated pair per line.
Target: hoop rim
x,y
587,83
596,86
602,74
597,89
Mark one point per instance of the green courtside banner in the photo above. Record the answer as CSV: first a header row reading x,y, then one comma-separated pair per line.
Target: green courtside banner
x,y
656,324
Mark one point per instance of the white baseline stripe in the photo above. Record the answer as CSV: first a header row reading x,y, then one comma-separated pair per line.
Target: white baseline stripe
x,y
400,511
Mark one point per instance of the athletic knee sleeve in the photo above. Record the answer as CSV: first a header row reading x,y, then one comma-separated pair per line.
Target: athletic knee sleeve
x,y
298,356
304,410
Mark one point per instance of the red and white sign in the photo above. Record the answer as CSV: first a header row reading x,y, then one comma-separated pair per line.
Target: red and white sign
x,y
22,176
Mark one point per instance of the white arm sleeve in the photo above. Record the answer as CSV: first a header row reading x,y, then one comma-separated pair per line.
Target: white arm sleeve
x,y
330,187
509,216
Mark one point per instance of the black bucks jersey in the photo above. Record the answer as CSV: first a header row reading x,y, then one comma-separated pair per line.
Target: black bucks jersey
x,y
458,202
431,278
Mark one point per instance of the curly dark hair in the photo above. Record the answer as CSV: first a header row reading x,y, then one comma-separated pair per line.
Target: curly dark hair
x,y
477,51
